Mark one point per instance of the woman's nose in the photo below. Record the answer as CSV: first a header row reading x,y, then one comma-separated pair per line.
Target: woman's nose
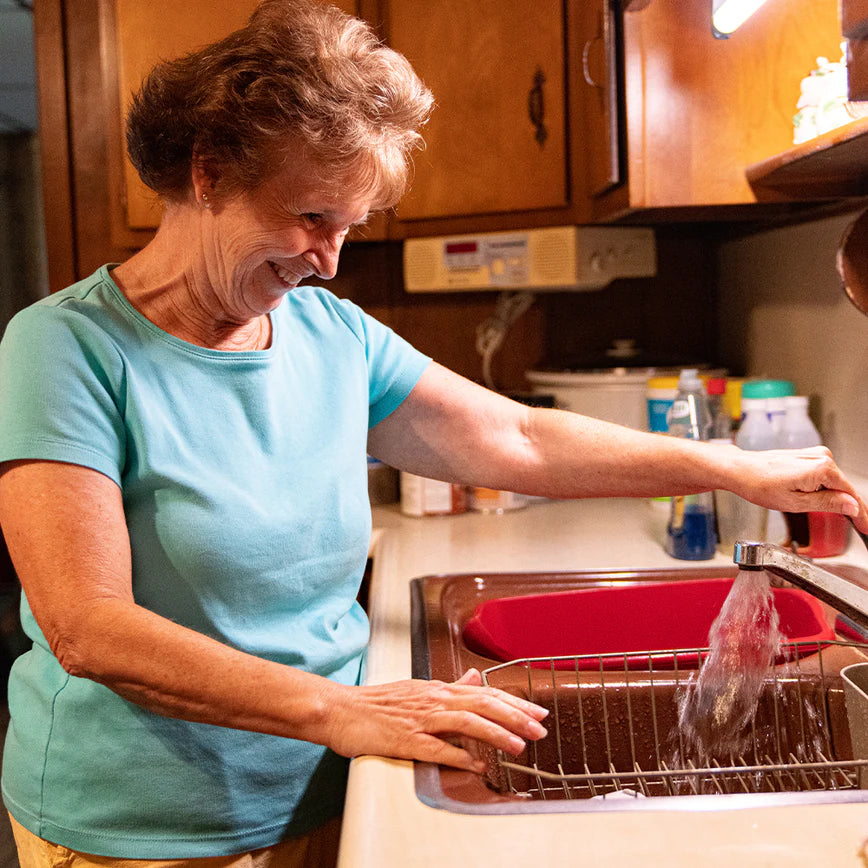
x,y
323,256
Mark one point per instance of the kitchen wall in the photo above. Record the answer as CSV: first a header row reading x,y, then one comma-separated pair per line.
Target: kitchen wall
x,y
783,314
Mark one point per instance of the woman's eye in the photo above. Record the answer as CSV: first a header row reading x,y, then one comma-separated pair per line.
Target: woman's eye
x,y
312,218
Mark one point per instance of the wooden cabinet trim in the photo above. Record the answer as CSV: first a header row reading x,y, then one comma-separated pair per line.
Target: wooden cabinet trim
x,y
54,144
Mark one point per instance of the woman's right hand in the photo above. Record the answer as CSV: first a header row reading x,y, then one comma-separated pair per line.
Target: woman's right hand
x,y
415,719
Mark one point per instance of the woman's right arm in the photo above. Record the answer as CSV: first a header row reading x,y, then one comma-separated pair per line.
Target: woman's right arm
x,y
65,528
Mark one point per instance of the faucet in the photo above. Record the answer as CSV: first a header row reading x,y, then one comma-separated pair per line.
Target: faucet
x,y
845,596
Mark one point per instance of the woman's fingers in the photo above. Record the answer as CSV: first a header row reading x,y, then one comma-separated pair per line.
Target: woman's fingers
x,y
419,719
800,480
471,725
473,678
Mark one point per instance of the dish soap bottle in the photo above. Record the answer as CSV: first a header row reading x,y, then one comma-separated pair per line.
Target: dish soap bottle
x,y
690,534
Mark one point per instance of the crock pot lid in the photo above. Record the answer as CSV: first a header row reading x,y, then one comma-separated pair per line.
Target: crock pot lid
x,y
594,377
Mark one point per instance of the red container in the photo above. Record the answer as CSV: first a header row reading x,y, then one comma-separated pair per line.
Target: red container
x,y
828,533
652,616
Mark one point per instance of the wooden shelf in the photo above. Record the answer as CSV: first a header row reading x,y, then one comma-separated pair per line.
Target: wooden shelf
x,y
830,166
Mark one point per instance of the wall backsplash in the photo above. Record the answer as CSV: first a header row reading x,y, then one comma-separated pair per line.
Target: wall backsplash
x,y
784,314
670,316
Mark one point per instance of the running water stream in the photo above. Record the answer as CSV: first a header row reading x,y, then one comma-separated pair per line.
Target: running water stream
x,y
716,707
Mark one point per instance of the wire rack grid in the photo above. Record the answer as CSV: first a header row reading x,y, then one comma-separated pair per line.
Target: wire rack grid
x,y
614,728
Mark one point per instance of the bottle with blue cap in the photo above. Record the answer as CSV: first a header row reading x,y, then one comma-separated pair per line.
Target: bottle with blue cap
x,y
764,405
690,534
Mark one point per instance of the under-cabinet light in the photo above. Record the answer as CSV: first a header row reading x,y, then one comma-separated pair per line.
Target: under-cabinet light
x,y
728,15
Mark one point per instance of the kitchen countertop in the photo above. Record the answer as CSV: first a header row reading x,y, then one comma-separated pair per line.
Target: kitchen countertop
x,y
385,824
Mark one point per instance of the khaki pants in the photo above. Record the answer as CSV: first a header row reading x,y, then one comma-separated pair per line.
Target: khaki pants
x,y
319,849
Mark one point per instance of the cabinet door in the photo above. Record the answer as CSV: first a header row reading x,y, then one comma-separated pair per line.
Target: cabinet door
x,y
154,31
496,141
700,110
148,32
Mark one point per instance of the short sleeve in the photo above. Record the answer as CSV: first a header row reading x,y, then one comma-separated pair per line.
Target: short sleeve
x,y
60,386
394,365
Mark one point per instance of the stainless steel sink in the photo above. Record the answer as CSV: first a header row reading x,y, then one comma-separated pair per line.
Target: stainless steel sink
x,y
612,742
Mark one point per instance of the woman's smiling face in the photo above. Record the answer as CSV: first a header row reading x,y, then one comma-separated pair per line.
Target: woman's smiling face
x,y
262,244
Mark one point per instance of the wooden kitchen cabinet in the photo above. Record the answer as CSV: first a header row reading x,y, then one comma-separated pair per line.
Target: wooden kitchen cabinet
x,y
854,18
697,110
496,141
145,34
548,113
662,120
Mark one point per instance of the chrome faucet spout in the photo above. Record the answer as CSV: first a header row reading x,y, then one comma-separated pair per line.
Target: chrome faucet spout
x,y
844,595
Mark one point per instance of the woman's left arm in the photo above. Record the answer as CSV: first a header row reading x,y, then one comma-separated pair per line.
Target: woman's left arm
x,y
452,429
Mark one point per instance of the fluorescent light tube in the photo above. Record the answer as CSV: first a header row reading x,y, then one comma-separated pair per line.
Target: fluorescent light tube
x,y
728,15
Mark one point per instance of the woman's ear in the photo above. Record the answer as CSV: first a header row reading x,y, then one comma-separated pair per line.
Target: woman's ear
x,y
205,175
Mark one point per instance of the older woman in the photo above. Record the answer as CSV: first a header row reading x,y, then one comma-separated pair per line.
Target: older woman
x,y
183,491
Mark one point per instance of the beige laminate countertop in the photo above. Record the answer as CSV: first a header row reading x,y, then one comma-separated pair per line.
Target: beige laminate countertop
x,y
386,825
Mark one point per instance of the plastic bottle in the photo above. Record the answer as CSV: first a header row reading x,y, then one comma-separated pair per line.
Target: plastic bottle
x,y
749,521
816,534
774,393
799,432
777,413
732,400
689,415
721,421
690,533
756,430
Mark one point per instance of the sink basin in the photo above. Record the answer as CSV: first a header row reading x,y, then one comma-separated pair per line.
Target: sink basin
x,y
613,732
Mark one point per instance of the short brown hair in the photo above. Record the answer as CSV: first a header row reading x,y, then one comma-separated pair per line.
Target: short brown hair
x,y
300,75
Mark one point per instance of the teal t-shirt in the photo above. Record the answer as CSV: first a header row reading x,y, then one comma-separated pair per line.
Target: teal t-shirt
x,y
244,480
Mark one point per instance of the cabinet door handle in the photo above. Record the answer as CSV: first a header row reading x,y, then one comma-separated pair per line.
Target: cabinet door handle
x,y
536,107
586,71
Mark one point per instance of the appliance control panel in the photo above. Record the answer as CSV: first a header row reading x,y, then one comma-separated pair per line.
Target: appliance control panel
x,y
553,259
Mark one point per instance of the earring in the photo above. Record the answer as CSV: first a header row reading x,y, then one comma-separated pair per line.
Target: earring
x,y
205,202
